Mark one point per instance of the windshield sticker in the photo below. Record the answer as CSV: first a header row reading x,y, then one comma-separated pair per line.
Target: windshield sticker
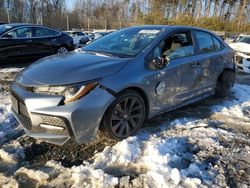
x,y
149,31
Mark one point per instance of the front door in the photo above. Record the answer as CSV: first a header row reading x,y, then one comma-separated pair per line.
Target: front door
x,y
179,77
16,45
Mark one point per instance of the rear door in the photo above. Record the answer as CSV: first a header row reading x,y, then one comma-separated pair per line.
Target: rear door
x,y
210,57
45,41
17,46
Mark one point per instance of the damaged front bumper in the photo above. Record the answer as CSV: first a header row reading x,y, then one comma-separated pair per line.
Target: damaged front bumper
x,y
46,118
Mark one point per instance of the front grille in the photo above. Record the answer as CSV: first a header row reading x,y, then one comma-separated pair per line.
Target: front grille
x,y
20,109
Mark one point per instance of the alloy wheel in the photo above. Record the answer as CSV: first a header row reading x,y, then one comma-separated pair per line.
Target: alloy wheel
x,y
127,117
62,50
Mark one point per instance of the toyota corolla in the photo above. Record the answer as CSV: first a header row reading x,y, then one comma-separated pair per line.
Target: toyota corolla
x,y
113,84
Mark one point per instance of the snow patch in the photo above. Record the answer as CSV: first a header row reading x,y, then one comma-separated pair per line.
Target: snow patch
x,y
165,159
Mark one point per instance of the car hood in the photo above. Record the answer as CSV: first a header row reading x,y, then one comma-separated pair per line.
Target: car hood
x,y
70,68
240,47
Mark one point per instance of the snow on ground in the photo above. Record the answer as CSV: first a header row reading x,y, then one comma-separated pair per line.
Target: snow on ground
x,y
185,152
8,123
10,70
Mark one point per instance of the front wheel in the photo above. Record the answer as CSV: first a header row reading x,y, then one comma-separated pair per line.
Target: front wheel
x,y
225,84
125,116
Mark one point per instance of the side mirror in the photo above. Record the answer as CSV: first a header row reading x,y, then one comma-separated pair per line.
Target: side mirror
x,y
7,36
159,62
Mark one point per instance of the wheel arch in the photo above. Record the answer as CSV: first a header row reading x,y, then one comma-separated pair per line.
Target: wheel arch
x,y
225,70
142,93
139,91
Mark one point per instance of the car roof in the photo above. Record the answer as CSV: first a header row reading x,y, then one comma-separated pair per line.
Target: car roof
x,y
20,24
172,27
15,25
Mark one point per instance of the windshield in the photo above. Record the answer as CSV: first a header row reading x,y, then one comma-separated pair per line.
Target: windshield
x,y
124,43
245,40
4,28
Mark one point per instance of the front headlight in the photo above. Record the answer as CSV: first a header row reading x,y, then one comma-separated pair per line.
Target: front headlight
x,y
70,93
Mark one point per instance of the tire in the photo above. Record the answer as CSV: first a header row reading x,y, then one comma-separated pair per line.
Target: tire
x,y
125,116
225,84
62,50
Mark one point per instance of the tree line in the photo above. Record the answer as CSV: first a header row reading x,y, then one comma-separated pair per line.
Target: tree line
x,y
223,15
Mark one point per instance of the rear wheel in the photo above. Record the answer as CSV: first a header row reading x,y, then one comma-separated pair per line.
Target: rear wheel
x,y
62,50
225,84
124,116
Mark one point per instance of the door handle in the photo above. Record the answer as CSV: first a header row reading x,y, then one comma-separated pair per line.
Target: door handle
x,y
28,41
53,40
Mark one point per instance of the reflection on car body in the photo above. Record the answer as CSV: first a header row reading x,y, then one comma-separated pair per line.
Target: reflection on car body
x,y
116,82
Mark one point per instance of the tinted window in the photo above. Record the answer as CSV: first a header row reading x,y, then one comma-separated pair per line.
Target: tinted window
x,y
176,46
205,42
23,32
217,44
44,32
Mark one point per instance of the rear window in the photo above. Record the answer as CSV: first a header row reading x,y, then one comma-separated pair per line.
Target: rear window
x,y
205,42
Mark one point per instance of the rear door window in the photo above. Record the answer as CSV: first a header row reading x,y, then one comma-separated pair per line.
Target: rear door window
x,y
205,42
217,44
44,32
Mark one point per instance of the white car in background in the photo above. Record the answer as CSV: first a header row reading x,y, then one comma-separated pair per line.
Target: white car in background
x,y
242,48
77,36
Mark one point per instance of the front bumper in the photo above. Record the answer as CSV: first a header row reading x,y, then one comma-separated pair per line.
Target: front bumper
x,y
242,62
46,118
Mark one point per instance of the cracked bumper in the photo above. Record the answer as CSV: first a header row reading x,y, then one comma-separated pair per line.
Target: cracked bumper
x,y
45,118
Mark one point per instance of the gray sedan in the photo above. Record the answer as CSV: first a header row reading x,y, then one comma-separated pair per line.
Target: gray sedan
x,y
113,84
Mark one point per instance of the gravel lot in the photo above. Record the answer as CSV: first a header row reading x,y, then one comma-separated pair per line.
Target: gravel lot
x,y
204,144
